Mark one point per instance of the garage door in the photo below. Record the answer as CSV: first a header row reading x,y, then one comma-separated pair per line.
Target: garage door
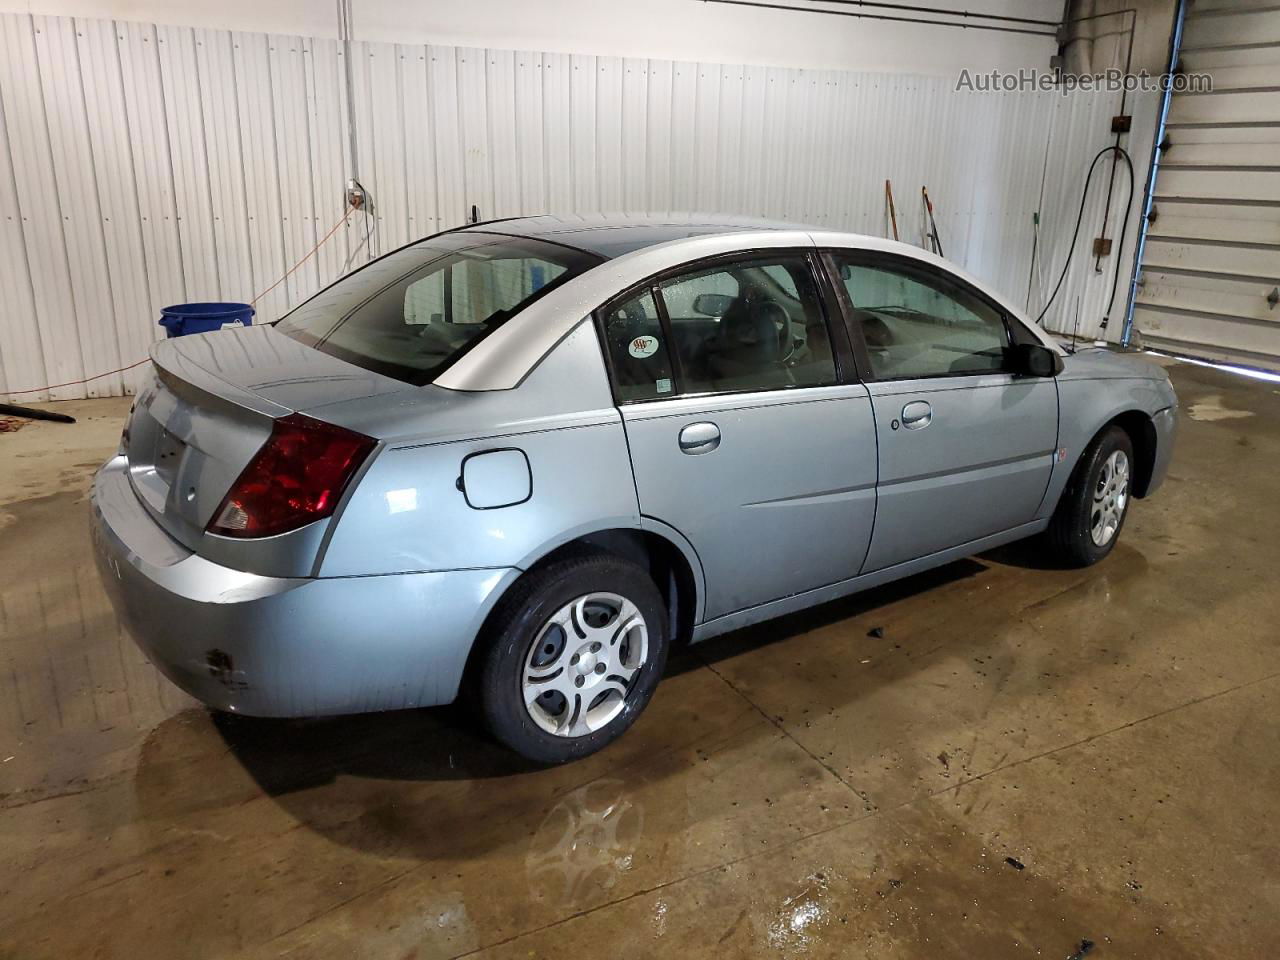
x,y
1211,264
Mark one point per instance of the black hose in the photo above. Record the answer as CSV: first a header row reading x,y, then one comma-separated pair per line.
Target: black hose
x,y
1124,228
31,413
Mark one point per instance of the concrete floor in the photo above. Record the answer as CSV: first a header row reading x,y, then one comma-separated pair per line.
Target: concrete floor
x,y
1027,759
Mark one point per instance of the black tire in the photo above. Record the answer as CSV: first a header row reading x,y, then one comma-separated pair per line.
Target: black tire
x,y
1069,535
519,620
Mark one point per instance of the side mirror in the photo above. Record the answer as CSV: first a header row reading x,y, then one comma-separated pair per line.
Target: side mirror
x,y
1033,360
712,304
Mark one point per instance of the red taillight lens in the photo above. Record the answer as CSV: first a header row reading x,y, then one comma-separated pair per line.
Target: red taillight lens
x,y
296,477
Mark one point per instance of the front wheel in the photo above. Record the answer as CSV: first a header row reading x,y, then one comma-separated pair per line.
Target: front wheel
x,y
1091,513
575,651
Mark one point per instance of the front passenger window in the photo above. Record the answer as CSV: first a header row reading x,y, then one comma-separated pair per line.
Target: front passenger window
x,y
918,323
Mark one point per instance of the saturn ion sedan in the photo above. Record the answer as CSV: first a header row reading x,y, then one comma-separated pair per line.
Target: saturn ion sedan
x,y
517,462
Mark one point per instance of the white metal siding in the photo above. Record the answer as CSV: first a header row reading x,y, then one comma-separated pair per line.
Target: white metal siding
x,y
147,165
1213,251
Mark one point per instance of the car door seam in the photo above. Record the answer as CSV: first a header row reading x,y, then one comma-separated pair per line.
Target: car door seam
x,y
875,503
1057,445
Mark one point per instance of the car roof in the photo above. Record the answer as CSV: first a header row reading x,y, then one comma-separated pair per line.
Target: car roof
x,y
633,249
614,235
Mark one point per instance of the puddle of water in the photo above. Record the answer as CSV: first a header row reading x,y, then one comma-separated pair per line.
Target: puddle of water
x,y
1211,408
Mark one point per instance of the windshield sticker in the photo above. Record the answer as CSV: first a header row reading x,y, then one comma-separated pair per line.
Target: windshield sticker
x,y
664,385
642,347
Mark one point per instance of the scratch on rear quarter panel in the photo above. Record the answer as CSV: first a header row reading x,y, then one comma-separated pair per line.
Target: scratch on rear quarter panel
x,y
222,668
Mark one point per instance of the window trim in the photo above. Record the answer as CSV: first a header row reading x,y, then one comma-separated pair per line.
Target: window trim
x,y
841,352
877,258
850,367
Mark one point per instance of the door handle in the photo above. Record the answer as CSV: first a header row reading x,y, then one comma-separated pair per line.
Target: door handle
x,y
699,438
917,415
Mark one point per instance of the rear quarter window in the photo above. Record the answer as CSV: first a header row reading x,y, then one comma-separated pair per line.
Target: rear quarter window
x,y
413,313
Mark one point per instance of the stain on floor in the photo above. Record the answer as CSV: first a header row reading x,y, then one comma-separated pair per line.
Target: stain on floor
x,y
1211,408
994,759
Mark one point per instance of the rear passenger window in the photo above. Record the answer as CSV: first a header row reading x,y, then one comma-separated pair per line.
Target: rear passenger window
x,y
637,353
756,325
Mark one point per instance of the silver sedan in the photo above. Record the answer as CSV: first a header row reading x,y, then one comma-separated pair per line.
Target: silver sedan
x,y
526,457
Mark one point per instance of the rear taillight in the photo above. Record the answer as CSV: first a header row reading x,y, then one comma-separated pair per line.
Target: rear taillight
x,y
296,477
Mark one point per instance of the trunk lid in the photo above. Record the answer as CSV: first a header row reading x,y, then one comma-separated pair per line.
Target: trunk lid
x,y
263,369
209,407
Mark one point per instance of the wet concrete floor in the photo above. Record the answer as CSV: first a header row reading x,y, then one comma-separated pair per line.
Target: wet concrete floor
x,y
1029,762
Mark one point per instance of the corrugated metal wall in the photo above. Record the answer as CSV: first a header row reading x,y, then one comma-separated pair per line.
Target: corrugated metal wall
x,y
145,165
1212,259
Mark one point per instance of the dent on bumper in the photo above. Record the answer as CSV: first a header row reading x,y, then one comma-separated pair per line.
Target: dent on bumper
x,y
270,646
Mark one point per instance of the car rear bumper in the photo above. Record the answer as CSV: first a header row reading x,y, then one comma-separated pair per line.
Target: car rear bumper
x,y
284,647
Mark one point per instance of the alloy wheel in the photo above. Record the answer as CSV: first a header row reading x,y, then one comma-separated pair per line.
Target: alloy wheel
x,y
1110,497
583,664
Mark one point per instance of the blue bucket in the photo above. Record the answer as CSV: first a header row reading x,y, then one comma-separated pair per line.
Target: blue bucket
x,y
184,318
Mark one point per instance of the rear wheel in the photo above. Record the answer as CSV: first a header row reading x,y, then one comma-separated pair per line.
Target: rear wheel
x,y
1091,513
575,651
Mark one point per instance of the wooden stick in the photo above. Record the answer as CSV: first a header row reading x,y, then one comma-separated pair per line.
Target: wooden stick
x,y
893,215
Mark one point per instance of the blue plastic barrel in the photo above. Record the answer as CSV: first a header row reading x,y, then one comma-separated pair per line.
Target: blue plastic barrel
x,y
184,318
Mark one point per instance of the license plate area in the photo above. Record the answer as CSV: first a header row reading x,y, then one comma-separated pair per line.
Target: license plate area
x,y
168,456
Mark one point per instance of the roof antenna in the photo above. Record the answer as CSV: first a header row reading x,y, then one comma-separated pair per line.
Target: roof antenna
x,y
1075,327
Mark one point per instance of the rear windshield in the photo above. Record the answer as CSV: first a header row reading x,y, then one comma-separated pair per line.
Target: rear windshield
x,y
412,313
